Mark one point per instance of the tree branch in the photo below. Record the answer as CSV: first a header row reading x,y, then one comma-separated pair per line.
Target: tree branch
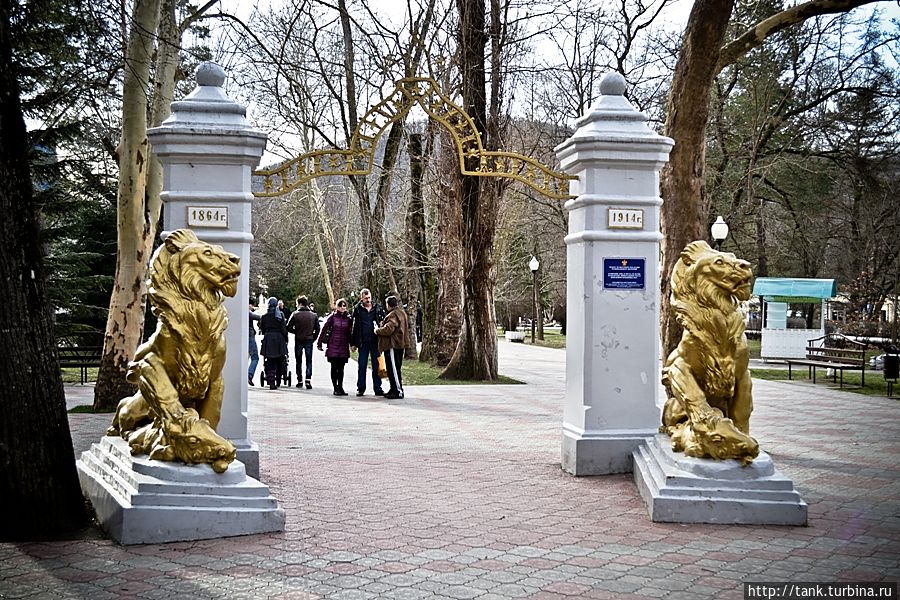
x,y
756,35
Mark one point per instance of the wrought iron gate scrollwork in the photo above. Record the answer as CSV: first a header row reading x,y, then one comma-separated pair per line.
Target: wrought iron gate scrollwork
x,y
359,157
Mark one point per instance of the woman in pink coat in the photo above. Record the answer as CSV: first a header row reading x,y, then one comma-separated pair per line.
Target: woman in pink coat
x,y
336,335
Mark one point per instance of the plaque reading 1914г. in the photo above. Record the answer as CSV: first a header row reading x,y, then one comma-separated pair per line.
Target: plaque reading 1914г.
x,y
623,273
207,216
625,218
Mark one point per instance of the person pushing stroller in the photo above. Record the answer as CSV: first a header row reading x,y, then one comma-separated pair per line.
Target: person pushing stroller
x,y
274,345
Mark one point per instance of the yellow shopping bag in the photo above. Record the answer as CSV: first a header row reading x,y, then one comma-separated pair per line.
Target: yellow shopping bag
x,y
382,367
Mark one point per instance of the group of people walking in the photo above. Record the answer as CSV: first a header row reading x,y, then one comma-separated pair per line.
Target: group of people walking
x,y
368,328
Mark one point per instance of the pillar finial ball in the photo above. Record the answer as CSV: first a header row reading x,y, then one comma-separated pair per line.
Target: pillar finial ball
x,y
612,84
211,74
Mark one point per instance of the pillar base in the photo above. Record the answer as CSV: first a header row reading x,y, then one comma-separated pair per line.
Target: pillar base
x,y
248,453
600,453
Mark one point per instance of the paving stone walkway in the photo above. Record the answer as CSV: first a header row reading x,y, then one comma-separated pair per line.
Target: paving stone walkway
x,y
456,492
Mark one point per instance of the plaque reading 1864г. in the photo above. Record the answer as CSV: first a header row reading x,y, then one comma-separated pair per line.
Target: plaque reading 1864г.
x,y
623,273
207,216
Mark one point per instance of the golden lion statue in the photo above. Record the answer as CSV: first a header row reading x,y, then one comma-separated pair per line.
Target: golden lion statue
x,y
178,371
707,412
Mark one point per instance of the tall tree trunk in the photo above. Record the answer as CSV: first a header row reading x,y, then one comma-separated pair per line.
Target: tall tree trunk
x,y
124,324
415,237
38,481
358,182
371,219
762,260
320,229
441,333
165,73
476,353
388,162
683,213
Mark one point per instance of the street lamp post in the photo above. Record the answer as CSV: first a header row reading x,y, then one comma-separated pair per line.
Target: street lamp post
x,y
719,231
534,265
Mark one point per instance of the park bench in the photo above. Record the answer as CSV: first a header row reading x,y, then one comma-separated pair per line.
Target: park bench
x,y
81,351
514,336
833,351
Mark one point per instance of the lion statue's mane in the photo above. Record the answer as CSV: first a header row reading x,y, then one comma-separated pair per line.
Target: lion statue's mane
x,y
178,371
707,377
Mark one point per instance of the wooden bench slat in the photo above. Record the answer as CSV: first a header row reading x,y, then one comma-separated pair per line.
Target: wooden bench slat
x,y
820,354
72,354
824,364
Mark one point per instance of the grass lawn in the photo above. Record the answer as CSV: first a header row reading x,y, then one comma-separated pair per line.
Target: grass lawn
x,y
87,408
420,373
875,383
552,338
753,347
73,374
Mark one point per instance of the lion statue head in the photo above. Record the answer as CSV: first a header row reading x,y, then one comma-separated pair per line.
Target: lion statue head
x,y
187,268
707,377
710,279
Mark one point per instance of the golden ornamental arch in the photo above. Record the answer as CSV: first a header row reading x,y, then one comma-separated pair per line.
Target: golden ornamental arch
x,y
359,157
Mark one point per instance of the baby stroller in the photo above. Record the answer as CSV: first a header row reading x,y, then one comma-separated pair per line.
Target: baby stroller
x,y
284,379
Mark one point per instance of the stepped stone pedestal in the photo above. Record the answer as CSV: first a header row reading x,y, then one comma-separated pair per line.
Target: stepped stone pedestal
x,y
683,489
143,501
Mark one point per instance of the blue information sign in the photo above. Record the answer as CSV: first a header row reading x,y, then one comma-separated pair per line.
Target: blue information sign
x,y
623,273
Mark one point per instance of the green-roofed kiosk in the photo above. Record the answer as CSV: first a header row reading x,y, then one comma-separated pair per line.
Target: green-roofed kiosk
x,y
777,294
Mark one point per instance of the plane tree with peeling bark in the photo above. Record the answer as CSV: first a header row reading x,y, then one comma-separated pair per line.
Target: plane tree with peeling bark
x,y
140,182
705,51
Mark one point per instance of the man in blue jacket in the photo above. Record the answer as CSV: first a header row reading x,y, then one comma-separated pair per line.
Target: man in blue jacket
x,y
367,315
254,349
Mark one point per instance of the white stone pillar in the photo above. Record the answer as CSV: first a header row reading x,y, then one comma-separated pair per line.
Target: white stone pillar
x,y
612,333
208,151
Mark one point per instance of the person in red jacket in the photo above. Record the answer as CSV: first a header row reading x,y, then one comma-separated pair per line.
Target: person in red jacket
x,y
336,334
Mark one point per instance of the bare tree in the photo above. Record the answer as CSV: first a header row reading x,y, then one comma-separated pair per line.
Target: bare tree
x,y
310,63
771,119
442,326
476,354
124,326
704,53
139,206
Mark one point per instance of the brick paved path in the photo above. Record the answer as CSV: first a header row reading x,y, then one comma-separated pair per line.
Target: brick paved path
x,y
456,492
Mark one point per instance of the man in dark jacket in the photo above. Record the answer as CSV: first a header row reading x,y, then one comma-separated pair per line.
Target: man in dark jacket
x,y
392,341
274,345
304,324
367,314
